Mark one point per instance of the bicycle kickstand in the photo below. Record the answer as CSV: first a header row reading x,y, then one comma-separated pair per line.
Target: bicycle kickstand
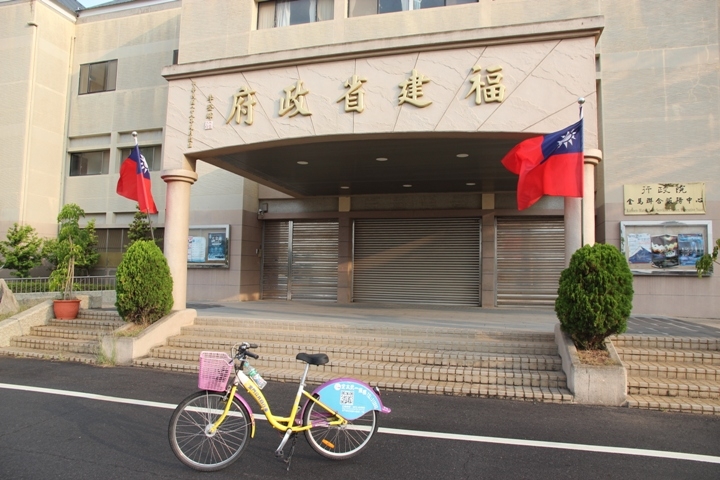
x,y
279,453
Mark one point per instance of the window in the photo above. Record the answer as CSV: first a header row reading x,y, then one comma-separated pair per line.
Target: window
x,y
98,77
89,163
358,8
281,13
153,157
113,243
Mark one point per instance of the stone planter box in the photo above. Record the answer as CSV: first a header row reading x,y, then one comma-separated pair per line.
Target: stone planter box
x,y
592,384
123,350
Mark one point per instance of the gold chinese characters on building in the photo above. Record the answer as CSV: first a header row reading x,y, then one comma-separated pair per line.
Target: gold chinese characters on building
x,y
664,198
488,89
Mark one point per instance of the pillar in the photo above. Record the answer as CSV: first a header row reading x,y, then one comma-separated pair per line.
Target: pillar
x,y
177,226
592,158
573,227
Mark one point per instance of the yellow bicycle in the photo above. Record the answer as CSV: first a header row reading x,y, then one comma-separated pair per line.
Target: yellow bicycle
x,y
210,429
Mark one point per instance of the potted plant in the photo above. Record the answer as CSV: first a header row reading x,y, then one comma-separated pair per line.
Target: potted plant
x,y
74,246
594,301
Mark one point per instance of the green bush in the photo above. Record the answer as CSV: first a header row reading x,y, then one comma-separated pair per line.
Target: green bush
x,y
595,295
143,284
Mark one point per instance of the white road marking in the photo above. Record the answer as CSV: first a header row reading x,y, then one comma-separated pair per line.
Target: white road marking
x,y
411,433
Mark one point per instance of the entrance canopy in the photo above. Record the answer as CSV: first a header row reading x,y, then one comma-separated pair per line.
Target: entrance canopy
x,y
365,164
429,121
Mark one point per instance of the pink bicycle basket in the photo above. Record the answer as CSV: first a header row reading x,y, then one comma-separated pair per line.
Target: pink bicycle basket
x,y
215,370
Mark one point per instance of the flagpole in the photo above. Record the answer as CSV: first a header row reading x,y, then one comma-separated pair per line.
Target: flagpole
x,y
152,234
581,101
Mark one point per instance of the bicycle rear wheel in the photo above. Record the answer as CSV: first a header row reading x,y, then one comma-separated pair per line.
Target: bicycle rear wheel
x,y
338,442
195,445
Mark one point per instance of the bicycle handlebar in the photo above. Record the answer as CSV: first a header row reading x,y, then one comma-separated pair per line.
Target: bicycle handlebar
x,y
242,350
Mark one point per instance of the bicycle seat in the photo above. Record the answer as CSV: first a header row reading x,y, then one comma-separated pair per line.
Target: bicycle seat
x,y
313,359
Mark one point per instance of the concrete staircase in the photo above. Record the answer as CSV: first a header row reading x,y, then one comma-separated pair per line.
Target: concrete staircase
x,y
67,340
409,358
671,373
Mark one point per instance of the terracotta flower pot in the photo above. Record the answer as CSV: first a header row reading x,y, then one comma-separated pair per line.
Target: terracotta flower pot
x,y
66,309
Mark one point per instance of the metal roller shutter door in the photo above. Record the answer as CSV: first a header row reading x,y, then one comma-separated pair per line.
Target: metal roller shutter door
x,y
426,261
275,261
530,257
314,265
300,260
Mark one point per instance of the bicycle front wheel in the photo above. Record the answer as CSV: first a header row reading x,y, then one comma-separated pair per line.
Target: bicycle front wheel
x,y
193,442
338,442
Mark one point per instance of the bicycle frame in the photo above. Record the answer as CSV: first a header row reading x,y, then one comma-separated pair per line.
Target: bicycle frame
x,y
289,424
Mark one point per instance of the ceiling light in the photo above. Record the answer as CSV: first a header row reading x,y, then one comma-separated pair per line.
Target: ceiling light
x,y
381,159
344,187
470,184
302,162
407,185
462,155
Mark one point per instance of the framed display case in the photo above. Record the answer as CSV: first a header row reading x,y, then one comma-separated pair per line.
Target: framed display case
x,y
209,246
665,248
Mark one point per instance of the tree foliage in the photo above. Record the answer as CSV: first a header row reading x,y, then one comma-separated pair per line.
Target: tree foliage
x,y
143,284
75,247
705,264
22,251
595,295
140,228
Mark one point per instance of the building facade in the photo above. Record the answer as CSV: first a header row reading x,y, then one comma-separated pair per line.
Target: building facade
x,y
349,150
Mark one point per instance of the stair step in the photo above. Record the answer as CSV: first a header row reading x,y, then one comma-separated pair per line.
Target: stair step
x,y
663,387
675,404
673,370
232,335
367,367
705,357
544,394
371,329
99,323
189,347
95,314
50,355
676,343
52,331
58,345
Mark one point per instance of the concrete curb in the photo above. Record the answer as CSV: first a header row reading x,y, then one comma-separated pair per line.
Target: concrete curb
x,y
592,384
124,349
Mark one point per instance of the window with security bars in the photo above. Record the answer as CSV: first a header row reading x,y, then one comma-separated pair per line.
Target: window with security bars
x,y
98,77
89,163
359,8
113,243
153,157
282,13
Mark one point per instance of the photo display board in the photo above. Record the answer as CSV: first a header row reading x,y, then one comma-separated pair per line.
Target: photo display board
x,y
209,246
665,248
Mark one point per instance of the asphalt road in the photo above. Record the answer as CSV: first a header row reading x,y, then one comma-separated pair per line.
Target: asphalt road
x,y
53,435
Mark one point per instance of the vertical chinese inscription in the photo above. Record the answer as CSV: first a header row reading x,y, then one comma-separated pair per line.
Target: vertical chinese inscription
x,y
294,100
209,114
355,96
243,106
191,118
412,90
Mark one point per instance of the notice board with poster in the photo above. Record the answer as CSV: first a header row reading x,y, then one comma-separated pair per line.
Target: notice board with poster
x,y
665,248
208,246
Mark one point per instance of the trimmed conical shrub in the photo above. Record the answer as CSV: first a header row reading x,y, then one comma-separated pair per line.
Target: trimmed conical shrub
x,y
595,295
143,284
